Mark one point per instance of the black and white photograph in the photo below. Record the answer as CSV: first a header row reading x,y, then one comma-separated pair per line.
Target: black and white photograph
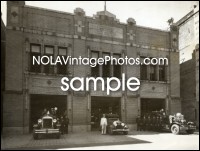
x,y
100,75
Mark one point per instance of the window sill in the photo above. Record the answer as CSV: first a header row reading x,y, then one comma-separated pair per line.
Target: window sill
x,y
154,81
45,74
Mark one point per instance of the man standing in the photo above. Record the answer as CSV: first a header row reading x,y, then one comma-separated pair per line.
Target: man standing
x,y
55,112
148,124
66,124
154,123
66,121
62,122
144,123
157,123
52,112
44,112
138,120
103,124
162,111
160,123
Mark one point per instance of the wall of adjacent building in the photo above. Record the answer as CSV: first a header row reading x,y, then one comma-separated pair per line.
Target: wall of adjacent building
x,y
197,83
3,50
188,44
188,89
188,33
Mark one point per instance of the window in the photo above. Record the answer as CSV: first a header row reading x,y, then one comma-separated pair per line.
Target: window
x,y
117,69
79,26
162,73
36,52
95,70
153,72
143,70
106,68
62,68
49,51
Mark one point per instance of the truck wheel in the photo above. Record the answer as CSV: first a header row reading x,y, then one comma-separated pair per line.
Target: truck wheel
x,y
58,136
190,131
111,132
125,133
175,129
35,136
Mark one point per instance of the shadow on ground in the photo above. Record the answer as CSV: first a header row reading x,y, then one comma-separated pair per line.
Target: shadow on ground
x,y
73,140
89,139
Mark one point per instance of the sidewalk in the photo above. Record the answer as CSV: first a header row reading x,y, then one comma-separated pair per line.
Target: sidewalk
x,y
86,139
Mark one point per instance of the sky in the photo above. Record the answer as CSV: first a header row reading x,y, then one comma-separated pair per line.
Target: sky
x,y
152,14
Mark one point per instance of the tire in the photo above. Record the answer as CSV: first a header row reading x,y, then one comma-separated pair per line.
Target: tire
x,y
58,136
111,132
35,136
190,131
125,133
175,129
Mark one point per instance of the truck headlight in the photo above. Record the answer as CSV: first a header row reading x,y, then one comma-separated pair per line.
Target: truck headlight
x,y
54,120
39,121
191,123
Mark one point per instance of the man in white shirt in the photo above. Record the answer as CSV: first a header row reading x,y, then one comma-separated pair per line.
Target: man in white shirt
x,y
103,124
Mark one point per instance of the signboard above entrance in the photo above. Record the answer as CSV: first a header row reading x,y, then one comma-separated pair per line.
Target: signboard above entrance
x,y
106,31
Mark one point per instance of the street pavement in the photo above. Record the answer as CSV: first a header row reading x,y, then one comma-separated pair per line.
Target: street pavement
x,y
95,141
162,141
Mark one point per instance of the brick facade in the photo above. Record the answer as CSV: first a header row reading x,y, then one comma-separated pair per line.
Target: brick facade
x,y
189,59
189,72
80,34
197,82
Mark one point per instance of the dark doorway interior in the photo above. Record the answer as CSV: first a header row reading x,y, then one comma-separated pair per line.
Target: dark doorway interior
x,y
148,105
39,102
103,105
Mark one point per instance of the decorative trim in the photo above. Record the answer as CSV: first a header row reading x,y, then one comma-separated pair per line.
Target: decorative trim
x,y
13,92
85,38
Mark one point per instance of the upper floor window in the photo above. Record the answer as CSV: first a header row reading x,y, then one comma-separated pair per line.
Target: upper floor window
x,y
36,52
143,70
95,70
117,69
106,67
153,72
62,68
49,51
162,73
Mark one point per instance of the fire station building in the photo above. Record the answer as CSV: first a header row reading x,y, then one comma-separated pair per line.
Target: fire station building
x,y
32,31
